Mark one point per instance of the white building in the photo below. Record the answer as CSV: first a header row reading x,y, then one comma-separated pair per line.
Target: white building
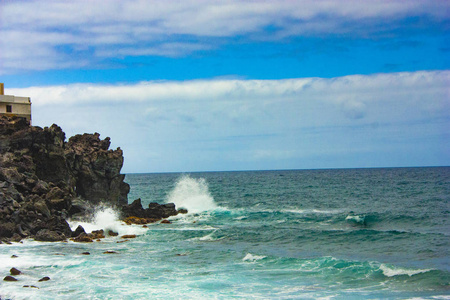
x,y
14,106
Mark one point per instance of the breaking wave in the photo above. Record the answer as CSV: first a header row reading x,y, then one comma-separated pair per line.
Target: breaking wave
x,y
192,194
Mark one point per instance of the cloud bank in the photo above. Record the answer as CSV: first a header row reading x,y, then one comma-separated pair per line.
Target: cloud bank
x,y
396,119
55,34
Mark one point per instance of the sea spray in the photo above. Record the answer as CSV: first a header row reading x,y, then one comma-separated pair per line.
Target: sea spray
x,y
107,218
192,194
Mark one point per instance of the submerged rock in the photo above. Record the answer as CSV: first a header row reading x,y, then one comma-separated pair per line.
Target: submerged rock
x,y
46,278
128,236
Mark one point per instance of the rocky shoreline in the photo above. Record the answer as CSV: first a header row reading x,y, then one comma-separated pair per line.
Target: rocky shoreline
x,y
46,180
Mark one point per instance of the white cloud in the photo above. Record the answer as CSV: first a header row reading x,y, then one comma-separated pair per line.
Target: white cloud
x,y
227,124
52,31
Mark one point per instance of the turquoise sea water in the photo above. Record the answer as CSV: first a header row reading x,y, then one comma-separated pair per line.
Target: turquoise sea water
x,y
309,234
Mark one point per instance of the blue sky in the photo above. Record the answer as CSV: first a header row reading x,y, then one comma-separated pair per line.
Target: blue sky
x,y
238,85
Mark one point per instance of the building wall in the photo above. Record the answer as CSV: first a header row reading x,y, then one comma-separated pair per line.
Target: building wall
x,y
20,106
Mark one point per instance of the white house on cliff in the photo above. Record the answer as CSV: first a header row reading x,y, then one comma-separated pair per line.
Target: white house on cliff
x,y
14,106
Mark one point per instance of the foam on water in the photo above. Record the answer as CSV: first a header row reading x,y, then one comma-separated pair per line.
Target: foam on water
x,y
252,258
107,218
396,271
192,194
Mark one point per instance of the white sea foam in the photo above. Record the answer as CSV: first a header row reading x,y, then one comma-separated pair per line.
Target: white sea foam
x,y
192,194
356,219
313,211
252,258
107,218
391,272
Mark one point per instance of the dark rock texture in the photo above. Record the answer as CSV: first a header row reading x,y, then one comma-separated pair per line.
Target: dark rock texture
x,y
43,179
154,211
96,169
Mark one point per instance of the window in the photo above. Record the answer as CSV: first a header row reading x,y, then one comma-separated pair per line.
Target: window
x,y
9,108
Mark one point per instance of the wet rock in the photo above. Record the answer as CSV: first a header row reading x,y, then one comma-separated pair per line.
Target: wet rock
x,y
83,238
15,271
46,235
110,252
9,278
14,256
182,211
86,253
112,233
97,169
30,286
166,222
128,236
46,278
43,178
139,221
97,234
78,231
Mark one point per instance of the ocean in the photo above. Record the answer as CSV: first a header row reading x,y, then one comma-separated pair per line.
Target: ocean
x,y
301,234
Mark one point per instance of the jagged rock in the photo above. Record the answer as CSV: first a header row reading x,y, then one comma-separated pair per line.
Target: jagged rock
x,y
15,272
182,211
46,235
79,230
43,178
97,169
154,211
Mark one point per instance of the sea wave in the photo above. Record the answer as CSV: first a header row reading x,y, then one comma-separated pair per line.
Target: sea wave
x,y
252,258
391,271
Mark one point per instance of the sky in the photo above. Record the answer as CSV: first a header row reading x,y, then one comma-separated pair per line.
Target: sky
x,y
193,85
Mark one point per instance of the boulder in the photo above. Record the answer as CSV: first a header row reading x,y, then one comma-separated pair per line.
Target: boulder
x,y
46,235
78,231
15,272
83,238
46,278
9,278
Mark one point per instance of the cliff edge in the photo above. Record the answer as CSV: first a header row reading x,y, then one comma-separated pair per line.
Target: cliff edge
x,y
45,180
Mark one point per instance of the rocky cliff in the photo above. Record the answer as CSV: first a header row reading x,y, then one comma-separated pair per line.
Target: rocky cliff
x,y
44,180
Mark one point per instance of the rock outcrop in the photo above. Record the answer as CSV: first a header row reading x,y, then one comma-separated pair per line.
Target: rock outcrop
x,y
45,180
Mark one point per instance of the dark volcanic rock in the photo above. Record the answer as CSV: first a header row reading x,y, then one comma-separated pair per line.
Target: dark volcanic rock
x,y
97,169
9,278
44,180
78,231
46,278
154,211
46,235
15,272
